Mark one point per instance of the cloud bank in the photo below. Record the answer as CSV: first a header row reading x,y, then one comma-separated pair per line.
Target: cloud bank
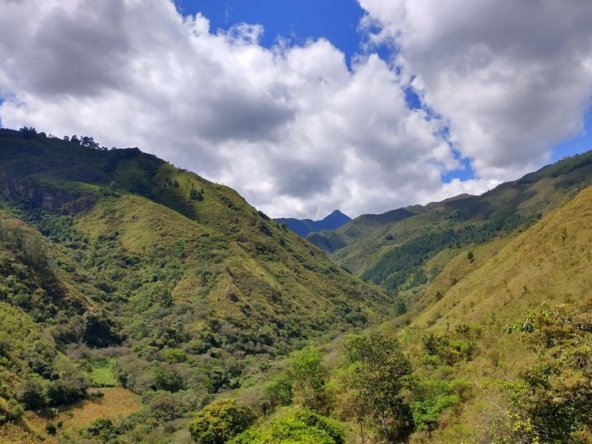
x,y
511,79
293,128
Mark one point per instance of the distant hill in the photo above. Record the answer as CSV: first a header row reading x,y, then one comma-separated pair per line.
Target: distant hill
x,y
392,249
303,227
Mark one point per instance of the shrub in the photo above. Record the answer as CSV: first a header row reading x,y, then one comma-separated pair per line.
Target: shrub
x,y
377,375
220,421
302,426
103,429
51,428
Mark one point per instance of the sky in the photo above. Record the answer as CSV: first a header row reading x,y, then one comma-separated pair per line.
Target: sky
x,y
307,106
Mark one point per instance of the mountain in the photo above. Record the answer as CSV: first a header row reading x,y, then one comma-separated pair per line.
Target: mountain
x,y
118,269
393,249
303,227
142,303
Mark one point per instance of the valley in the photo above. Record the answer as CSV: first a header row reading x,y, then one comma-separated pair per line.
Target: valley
x,y
140,302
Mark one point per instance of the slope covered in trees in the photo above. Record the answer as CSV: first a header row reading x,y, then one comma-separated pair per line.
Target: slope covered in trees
x,y
118,267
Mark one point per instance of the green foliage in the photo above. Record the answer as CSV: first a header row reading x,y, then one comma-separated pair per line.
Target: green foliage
x,y
103,373
302,383
51,428
307,376
196,195
432,397
279,390
449,350
395,267
377,376
102,429
553,402
220,421
302,426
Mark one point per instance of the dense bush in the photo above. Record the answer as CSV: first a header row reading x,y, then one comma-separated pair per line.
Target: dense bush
x,y
552,402
220,421
301,426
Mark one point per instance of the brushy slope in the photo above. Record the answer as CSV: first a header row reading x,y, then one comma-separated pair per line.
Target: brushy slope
x,y
115,254
521,305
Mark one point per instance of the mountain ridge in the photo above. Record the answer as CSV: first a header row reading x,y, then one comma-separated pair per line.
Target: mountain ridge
x,y
115,261
377,247
304,227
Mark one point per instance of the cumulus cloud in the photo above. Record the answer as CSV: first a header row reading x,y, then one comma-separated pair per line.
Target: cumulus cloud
x,y
511,79
294,129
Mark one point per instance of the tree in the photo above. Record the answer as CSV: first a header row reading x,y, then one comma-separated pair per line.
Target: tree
x,y
307,375
377,376
220,421
196,195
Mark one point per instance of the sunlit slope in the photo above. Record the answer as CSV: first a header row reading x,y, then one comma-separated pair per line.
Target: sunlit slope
x,y
506,284
550,262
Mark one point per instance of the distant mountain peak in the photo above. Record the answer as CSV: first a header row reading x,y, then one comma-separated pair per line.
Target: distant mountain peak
x,y
303,227
338,213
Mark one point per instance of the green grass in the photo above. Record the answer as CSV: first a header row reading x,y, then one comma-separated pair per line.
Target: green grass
x,y
103,373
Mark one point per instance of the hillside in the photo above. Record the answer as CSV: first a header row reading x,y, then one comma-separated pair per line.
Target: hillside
x,y
115,263
498,350
393,249
303,227
522,304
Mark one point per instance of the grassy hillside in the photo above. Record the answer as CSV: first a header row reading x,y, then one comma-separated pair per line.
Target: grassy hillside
x,y
393,249
134,294
122,266
526,305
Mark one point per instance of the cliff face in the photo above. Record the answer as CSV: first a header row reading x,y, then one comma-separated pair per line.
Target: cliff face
x,y
45,196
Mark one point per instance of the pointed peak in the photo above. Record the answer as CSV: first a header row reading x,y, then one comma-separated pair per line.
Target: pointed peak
x,y
337,213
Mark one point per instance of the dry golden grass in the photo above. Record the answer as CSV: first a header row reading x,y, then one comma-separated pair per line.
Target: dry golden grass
x,y
11,433
116,404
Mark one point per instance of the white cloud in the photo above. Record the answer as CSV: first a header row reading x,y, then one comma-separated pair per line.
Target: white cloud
x,y
292,128
512,79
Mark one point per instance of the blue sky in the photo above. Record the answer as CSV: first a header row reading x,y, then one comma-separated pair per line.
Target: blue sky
x,y
297,20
